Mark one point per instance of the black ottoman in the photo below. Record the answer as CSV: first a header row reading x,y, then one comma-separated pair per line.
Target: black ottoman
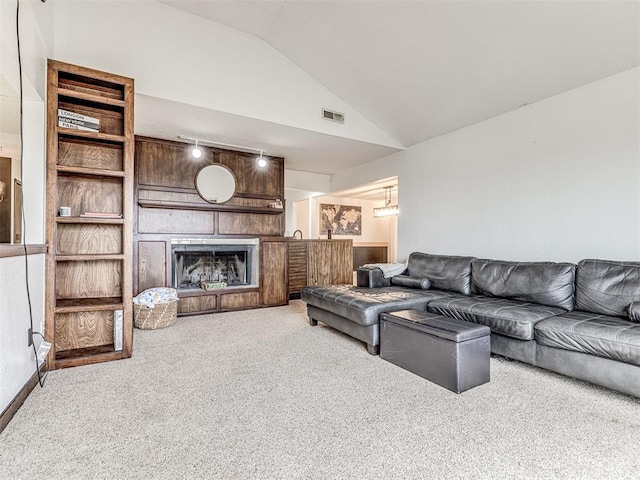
x,y
452,353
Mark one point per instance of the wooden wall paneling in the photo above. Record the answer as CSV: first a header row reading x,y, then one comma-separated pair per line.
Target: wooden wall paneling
x,y
96,278
319,266
168,164
75,239
203,303
273,272
83,329
179,222
249,224
252,179
77,152
342,262
152,266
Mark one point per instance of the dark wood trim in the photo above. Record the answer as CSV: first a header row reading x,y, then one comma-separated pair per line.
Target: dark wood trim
x,y
222,207
19,399
18,250
162,188
216,291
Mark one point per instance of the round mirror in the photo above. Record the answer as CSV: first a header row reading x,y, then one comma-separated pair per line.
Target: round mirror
x,y
216,183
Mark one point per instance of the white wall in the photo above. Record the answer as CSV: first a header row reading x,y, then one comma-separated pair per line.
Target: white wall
x,y
297,187
17,361
178,56
556,180
373,229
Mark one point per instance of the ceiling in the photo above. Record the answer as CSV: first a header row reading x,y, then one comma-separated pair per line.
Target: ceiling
x,y
420,69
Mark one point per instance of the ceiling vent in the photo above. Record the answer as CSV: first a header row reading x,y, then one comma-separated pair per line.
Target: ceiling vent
x,y
332,116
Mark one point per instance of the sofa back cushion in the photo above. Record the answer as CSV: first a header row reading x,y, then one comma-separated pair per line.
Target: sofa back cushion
x,y
445,272
545,283
607,287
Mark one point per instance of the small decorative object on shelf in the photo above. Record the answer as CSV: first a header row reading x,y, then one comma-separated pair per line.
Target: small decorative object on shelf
x,y
77,121
212,285
101,215
276,204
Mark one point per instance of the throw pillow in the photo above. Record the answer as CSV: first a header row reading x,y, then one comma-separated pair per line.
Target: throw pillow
x,y
411,282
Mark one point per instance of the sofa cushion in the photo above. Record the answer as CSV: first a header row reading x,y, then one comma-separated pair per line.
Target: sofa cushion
x,y
607,287
507,317
633,312
546,283
446,272
364,305
602,335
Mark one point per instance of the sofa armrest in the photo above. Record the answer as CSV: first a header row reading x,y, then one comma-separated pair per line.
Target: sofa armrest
x,y
371,277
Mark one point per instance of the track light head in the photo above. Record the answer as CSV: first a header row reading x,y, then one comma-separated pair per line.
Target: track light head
x,y
262,162
196,152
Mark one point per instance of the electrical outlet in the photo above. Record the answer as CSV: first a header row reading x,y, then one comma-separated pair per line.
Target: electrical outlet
x,y
30,337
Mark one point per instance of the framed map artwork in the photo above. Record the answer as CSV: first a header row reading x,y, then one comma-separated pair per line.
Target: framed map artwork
x,y
340,219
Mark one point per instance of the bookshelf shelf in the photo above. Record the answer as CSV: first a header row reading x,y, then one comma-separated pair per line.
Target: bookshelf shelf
x,y
97,172
90,220
90,135
64,92
70,305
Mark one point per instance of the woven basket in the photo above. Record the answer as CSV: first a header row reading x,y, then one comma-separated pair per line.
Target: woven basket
x,y
162,315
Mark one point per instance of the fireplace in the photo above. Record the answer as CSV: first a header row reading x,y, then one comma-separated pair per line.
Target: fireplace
x,y
233,262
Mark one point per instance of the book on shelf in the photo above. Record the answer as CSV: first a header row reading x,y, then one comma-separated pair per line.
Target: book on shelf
x,y
117,330
77,121
101,215
77,116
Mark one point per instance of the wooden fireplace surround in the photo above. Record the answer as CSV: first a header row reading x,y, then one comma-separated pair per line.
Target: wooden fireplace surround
x,y
167,206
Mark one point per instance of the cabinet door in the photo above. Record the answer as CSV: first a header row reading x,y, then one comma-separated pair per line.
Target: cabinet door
x,y
297,266
273,275
320,267
341,262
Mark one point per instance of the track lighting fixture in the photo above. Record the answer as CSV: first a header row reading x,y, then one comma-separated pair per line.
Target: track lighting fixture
x,y
196,152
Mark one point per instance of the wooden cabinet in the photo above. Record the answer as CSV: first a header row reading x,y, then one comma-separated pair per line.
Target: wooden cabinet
x,y
90,147
319,262
273,271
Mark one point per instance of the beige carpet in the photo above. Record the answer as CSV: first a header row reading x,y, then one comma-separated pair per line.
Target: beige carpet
x,y
261,394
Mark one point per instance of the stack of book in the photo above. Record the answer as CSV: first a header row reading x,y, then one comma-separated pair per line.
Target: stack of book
x,y
77,121
101,215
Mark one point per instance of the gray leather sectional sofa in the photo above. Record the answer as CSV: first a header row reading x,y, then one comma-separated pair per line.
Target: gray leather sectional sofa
x,y
579,320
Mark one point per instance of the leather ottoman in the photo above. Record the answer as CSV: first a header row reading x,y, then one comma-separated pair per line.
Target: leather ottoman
x,y
449,352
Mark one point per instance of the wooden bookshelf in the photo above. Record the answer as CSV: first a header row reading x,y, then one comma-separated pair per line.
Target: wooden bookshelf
x,y
89,261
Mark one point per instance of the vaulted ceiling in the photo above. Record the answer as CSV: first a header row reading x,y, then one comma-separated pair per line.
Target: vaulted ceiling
x,y
419,69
